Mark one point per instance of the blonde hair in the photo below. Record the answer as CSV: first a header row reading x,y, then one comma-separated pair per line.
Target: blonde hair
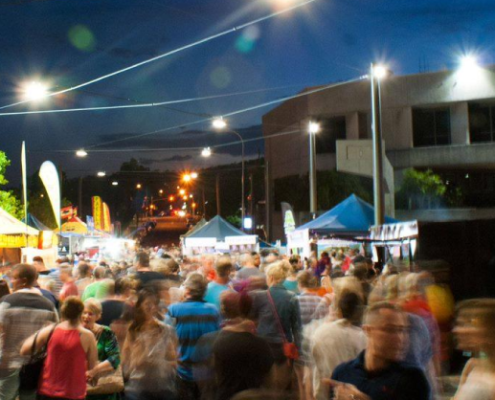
x,y
93,305
278,270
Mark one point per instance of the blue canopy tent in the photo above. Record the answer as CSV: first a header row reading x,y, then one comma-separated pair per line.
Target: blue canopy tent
x,y
352,217
216,228
218,235
35,223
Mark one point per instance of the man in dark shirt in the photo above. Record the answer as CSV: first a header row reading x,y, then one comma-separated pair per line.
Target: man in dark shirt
x,y
144,273
378,373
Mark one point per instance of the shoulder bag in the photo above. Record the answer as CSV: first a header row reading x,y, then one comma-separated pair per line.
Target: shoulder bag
x,y
290,349
30,373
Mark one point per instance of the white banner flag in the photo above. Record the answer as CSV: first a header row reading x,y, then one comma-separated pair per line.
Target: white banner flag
x,y
24,180
49,177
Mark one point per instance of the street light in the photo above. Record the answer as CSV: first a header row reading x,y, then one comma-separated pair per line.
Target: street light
x,y
206,152
377,74
160,191
101,174
186,178
219,124
81,153
194,175
138,186
115,183
182,192
35,91
313,129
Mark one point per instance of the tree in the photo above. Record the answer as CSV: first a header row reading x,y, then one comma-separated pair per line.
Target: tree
x,y
8,201
421,189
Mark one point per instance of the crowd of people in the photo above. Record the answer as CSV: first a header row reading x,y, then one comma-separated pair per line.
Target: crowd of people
x,y
245,326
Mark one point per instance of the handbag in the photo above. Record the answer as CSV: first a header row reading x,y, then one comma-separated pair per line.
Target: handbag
x,y
108,383
290,349
30,373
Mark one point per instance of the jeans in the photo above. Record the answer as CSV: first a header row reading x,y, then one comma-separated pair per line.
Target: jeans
x,y
9,388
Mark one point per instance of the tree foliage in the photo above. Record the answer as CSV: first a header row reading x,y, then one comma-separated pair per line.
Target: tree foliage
x,y
425,189
8,200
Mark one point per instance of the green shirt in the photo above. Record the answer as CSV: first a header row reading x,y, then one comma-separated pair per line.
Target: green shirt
x,y
97,290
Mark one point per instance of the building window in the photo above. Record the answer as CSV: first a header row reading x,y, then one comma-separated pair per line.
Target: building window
x,y
431,127
481,123
331,130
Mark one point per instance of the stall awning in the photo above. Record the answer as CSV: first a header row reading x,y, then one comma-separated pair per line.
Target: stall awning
x,y
351,217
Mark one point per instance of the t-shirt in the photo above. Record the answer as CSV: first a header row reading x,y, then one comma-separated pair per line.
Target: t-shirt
x,y
248,272
111,310
97,290
292,286
193,319
147,277
242,362
21,314
68,289
214,292
397,382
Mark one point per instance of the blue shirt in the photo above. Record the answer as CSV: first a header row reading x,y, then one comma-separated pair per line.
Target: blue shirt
x,y
398,381
213,293
193,319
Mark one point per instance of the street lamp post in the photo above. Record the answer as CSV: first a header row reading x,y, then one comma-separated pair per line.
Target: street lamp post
x,y
376,74
219,124
313,196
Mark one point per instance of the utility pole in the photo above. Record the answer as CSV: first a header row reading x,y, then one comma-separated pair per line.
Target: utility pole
x,y
378,187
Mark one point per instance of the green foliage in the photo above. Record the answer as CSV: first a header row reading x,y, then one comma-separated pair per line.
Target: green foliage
x,y
10,203
235,220
8,200
425,189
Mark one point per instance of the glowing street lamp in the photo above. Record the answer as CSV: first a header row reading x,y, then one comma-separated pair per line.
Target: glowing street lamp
x,y
194,175
138,186
115,183
380,71
101,174
160,191
206,152
35,91
219,123
182,192
81,153
171,198
186,178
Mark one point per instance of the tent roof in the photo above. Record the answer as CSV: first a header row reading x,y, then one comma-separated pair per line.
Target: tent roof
x,y
352,216
9,225
217,228
202,222
36,223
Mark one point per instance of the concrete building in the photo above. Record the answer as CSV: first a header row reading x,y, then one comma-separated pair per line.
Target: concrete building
x,y
442,120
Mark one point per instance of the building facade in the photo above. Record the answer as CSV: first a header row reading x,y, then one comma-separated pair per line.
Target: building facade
x,y
444,121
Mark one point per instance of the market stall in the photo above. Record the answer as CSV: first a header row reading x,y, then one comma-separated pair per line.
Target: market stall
x,y
218,235
350,220
15,235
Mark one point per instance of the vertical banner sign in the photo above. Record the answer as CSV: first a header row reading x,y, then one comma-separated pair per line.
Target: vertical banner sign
x,y
97,212
49,176
288,215
24,183
107,223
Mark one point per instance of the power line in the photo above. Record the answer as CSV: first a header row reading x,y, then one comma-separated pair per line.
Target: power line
x,y
175,51
262,105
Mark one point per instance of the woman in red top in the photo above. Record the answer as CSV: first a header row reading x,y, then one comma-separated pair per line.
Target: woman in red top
x,y
71,352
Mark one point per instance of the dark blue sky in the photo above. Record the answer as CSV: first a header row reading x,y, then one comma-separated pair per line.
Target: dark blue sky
x,y
69,42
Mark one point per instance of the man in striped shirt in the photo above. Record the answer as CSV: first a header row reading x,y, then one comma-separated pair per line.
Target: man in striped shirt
x,y
193,318
22,313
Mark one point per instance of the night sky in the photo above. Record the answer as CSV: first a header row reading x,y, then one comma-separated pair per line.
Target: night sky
x,y
65,43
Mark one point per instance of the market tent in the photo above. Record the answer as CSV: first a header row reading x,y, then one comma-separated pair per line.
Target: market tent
x,y
202,222
351,217
74,226
36,223
216,228
13,232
